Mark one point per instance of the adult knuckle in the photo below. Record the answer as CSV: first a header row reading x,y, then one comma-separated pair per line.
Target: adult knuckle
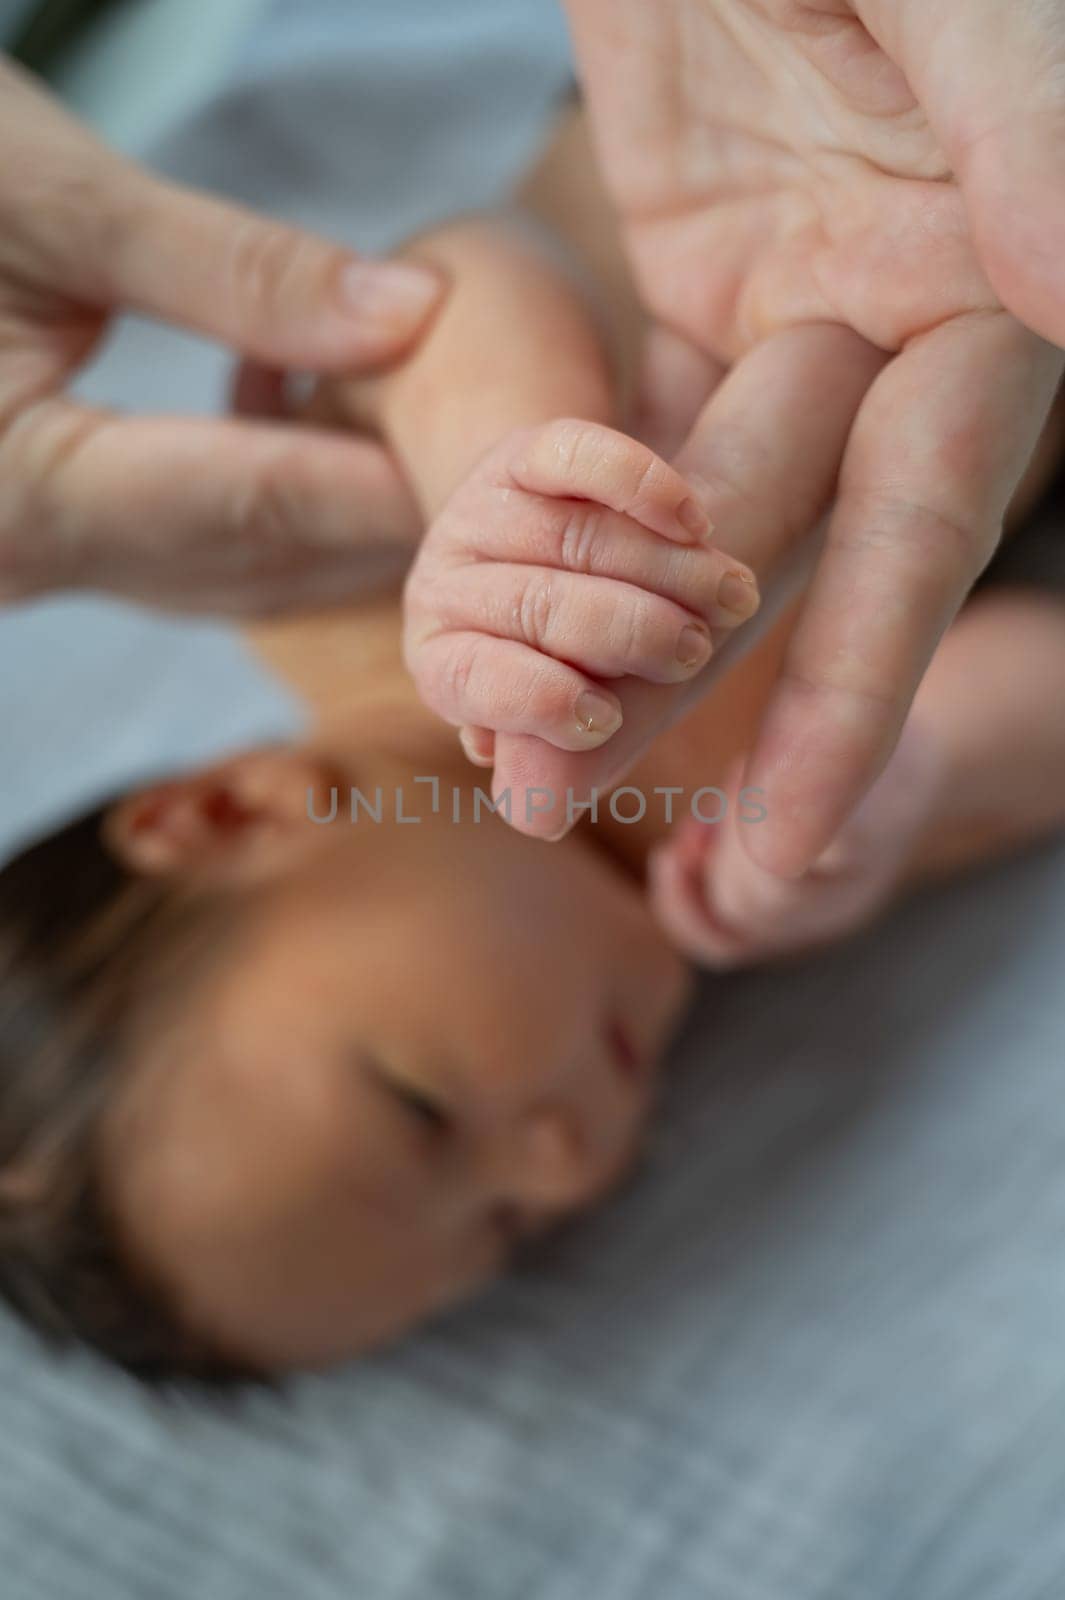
x,y
269,261
41,546
39,448
849,693
971,543
46,437
266,510
909,529
88,215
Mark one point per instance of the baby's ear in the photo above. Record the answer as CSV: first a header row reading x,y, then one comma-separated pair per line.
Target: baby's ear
x,y
240,822
24,1184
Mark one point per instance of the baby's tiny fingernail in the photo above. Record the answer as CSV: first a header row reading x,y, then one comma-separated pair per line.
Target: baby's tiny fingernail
x,y
598,714
738,592
693,647
390,292
694,518
478,745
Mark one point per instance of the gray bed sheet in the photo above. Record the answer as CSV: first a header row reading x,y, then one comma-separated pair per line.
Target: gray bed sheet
x,y
814,1352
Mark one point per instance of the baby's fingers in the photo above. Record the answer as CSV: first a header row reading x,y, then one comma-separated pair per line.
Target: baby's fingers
x,y
479,745
605,628
587,461
474,679
579,536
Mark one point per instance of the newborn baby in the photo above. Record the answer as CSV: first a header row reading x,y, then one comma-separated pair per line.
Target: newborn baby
x,y
296,1051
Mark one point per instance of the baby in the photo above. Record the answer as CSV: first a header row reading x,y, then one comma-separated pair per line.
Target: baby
x,y
296,1051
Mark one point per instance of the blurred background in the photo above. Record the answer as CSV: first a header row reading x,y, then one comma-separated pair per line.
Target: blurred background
x,y
103,56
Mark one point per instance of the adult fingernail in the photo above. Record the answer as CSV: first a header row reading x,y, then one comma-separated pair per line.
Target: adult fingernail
x,y
693,646
390,292
738,592
597,714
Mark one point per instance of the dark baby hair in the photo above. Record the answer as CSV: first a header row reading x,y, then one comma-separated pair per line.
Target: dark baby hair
x,y
86,947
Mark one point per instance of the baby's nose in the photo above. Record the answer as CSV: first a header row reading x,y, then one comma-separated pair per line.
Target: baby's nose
x,y
551,1164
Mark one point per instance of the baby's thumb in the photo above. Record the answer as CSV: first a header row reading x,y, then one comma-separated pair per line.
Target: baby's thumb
x,y
285,297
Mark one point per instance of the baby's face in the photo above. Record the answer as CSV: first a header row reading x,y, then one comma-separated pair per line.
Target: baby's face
x,y
432,1039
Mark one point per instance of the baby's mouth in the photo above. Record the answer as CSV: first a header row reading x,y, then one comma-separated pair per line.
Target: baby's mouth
x,y
633,1065
637,1068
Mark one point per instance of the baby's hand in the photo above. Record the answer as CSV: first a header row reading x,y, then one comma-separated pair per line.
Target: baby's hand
x,y
571,556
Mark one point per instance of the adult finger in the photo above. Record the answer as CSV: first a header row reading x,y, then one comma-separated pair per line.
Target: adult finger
x,y
991,79
274,292
676,379
854,875
935,454
223,515
83,222
768,447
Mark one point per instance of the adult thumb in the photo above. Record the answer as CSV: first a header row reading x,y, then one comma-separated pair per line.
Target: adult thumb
x,y
990,76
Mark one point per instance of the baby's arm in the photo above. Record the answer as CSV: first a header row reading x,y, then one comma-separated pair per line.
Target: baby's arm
x,y
515,345
543,321
995,697
561,553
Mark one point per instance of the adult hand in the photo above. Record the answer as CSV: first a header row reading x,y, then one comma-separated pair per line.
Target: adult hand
x,y
854,206
225,515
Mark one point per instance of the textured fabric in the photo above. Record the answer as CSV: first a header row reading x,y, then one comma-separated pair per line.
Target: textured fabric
x,y
813,1353
13,17
815,1350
